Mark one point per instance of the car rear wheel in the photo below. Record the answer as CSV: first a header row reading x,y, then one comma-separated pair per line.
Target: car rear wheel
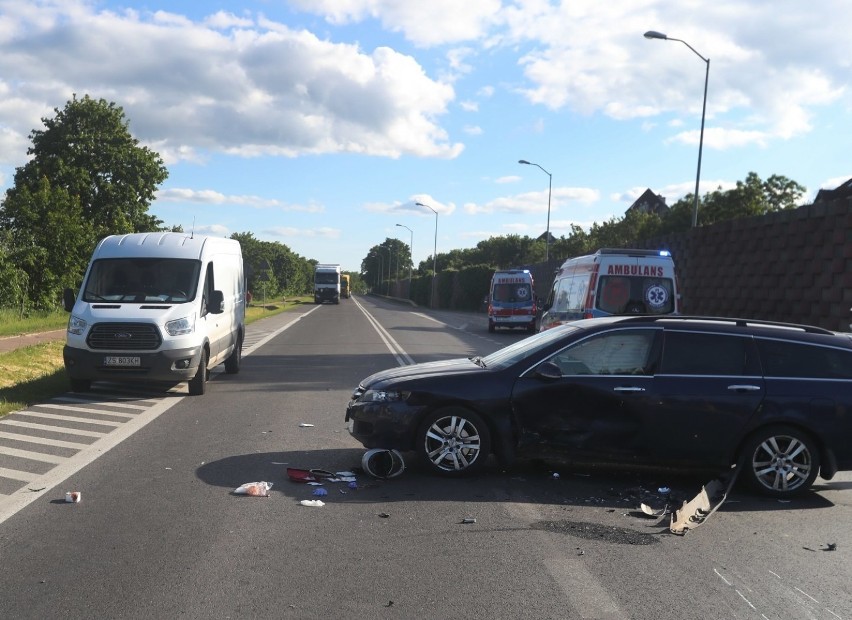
x,y
781,461
453,441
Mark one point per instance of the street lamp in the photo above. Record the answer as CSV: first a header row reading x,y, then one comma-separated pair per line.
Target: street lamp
x,y
387,288
653,34
411,251
434,254
549,192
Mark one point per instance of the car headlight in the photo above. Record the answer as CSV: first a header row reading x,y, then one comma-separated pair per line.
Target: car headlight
x,y
180,327
76,325
383,396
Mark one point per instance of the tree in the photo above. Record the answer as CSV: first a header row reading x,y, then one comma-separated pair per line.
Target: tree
x,y
87,178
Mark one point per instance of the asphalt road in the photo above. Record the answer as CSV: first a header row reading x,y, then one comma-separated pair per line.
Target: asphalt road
x,y
159,533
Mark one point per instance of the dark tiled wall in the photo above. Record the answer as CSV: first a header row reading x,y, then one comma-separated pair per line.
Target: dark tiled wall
x,y
793,266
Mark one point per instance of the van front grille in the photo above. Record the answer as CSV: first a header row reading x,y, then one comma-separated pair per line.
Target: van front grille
x,y
124,336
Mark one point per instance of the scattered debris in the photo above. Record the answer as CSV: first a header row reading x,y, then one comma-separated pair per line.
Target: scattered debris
x,y
664,490
390,604
305,425
384,515
468,521
308,475
555,475
73,497
695,512
830,547
255,489
645,508
312,503
381,463
320,492
36,490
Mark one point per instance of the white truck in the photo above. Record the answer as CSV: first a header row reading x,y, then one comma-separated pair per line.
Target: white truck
x,y
157,307
327,283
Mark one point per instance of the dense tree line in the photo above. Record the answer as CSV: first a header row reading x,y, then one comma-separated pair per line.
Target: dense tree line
x,y
88,177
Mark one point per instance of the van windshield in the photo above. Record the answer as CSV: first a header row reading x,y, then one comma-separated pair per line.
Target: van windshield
x,y
511,293
635,295
141,280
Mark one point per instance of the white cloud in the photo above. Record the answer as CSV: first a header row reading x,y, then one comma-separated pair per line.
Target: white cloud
x,y
289,232
534,202
512,178
469,106
425,23
472,130
215,230
411,207
212,197
226,84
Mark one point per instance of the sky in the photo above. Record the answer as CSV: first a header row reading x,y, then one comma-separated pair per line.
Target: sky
x,y
320,124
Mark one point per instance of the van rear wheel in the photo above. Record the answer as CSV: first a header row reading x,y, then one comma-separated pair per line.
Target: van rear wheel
x,y
232,364
198,384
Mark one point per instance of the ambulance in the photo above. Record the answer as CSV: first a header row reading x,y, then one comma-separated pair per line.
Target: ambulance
x,y
612,281
511,302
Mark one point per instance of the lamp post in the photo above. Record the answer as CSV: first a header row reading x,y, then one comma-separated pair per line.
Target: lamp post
x,y
653,34
387,288
549,192
434,254
411,251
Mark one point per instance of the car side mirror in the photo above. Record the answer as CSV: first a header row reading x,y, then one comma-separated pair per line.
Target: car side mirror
x,y
216,305
548,370
68,299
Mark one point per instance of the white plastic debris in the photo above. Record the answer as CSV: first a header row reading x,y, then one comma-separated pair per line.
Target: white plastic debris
x,y
256,489
313,503
72,497
306,425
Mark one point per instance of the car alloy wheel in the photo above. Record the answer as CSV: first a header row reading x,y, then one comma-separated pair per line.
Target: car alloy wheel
x,y
454,441
782,461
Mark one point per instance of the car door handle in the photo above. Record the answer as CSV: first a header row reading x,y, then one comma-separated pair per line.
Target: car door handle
x,y
628,389
744,388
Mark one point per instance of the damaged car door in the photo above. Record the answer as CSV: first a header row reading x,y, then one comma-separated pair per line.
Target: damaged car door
x,y
589,401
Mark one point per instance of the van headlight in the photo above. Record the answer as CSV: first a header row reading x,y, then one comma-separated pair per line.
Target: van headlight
x,y
181,327
76,325
383,396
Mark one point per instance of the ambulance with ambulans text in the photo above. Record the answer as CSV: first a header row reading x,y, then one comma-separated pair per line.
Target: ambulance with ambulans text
x,y
610,282
511,300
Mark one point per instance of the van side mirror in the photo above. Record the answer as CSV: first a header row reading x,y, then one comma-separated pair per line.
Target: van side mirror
x,y
216,304
68,299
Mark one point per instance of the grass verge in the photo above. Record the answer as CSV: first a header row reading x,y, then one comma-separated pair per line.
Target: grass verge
x,y
12,324
35,374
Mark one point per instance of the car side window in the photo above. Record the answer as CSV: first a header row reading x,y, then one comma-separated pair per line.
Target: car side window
x,y
791,359
686,353
619,352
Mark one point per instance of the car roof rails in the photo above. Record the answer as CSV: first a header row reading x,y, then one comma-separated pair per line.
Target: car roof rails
x,y
739,322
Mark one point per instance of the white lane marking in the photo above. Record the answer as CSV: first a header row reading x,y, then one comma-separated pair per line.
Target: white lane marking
x,y
71,465
745,599
58,429
721,577
14,474
427,317
402,358
85,410
42,441
68,418
32,456
92,399
806,594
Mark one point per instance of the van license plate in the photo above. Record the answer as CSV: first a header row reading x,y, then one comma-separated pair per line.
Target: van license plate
x,y
112,360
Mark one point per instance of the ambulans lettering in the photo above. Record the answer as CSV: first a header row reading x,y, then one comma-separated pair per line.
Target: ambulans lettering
x,y
512,280
635,270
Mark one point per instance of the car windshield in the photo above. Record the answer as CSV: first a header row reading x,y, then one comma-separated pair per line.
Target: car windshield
x,y
522,349
142,280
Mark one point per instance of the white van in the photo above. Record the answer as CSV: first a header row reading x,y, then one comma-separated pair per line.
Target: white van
x,y
612,281
157,307
511,301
